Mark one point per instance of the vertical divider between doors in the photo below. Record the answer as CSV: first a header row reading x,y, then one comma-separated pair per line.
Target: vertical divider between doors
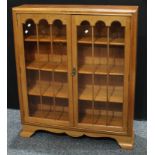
x,y
71,66
69,33
74,48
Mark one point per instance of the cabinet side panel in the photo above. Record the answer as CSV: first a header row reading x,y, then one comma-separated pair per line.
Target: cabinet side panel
x,y
16,44
132,72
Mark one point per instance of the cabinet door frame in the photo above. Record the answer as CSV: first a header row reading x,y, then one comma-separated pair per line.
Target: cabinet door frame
x,y
20,58
107,19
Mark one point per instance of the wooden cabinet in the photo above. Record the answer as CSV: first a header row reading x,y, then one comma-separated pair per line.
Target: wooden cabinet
x,y
76,69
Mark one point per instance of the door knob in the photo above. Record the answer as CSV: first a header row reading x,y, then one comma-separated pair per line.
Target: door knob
x,y
73,71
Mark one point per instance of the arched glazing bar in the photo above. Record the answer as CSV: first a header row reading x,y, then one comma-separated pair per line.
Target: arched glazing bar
x,y
59,31
84,32
100,33
117,33
43,30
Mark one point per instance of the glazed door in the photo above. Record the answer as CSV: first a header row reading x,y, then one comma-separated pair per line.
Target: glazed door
x,y
46,68
100,71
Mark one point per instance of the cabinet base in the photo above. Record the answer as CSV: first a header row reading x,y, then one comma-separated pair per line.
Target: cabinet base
x,y
125,142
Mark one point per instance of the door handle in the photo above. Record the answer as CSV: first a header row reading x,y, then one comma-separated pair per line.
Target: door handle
x,y
73,71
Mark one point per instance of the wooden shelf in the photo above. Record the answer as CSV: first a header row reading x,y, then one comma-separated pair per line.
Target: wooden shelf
x,y
100,69
59,90
116,94
100,120
86,69
85,93
57,67
33,38
100,93
61,39
34,90
44,38
34,65
47,66
117,41
102,41
85,40
113,70
57,115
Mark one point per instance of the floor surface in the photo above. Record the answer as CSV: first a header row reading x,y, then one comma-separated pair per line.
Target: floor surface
x,y
44,143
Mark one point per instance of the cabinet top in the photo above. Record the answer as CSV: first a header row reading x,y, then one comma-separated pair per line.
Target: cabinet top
x,y
74,9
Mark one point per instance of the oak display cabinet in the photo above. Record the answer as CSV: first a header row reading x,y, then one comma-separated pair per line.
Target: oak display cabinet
x,y
76,69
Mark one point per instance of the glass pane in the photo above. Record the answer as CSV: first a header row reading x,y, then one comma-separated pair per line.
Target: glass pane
x,y
100,104
59,46
116,34
100,48
85,112
29,30
61,109
43,30
116,74
84,33
46,69
100,33
84,36
92,70
33,82
59,31
85,59
85,69
100,113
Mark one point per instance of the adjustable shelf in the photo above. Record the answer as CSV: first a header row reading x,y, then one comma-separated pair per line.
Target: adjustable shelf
x,y
57,115
99,93
55,90
101,69
47,66
49,108
100,120
102,41
58,39
56,67
117,42
34,65
100,113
